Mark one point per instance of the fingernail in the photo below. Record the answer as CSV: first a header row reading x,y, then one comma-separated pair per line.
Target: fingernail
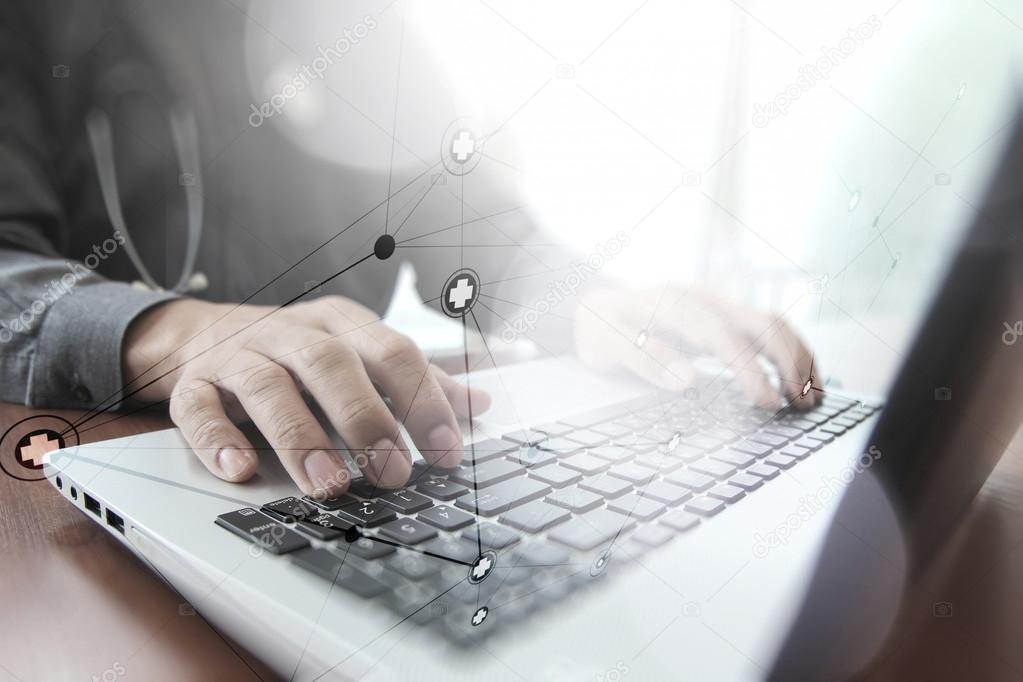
x,y
443,439
325,471
232,462
389,464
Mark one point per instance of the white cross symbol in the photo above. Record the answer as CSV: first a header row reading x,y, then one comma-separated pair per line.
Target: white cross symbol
x,y
460,293
37,447
482,567
480,615
463,146
806,387
676,438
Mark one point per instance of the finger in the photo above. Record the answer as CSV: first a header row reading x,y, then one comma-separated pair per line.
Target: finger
x,y
196,409
334,375
460,395
397,365
741,357
790,355
269,396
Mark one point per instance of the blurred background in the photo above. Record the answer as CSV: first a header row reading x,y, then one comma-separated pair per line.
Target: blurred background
x,y
816,159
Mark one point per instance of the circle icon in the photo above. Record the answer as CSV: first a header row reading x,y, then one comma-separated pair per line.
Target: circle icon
x,y
461,147
482,567
479,616
600,563
25,445
460,293
384,247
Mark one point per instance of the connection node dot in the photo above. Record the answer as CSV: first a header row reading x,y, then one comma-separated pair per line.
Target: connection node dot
x,y
384,247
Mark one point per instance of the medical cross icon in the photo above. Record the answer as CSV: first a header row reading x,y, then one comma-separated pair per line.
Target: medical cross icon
x,y
460,293
480,615
34,447
482,567
463,146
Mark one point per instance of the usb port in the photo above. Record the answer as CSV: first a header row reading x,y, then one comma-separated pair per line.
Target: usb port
x,y
91,504
115,521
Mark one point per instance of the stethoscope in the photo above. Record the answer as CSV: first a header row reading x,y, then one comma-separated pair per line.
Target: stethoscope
x,y
136,78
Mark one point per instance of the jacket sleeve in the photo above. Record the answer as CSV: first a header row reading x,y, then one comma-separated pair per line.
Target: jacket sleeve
x,y
61,324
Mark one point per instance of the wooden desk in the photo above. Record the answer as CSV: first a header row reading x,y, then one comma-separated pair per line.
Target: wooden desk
x,y
63,580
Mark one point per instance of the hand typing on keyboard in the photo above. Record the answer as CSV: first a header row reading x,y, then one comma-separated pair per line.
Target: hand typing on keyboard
x,y
640,331
223,361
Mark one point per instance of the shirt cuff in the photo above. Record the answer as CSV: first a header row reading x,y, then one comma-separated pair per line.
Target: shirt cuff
x,y
77,360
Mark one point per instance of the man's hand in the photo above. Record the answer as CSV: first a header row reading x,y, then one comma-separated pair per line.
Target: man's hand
x,y
258,364
609,325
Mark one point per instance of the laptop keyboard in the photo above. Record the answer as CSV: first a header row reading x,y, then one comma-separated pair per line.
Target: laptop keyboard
x,y
553,502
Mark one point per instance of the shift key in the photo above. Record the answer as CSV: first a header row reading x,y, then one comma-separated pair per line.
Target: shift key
x,y
486,473
503,496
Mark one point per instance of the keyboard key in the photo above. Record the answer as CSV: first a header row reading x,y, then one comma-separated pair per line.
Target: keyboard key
x,y
413,565
440,488
751,448
801,424
679,520
525,437
555,476
553,429
336,569
368,513
636,507
582,421
289,509
366,548
781,461
560,446
787,432
690,479
587,438
612,453
535,517
461,549
533,457
538,554
406,501
703,442
686,453
833,428
704,506
330,503
486,451
492,536
809,443
774,440
658,462
323,526
586,464
486,474
727,493
747,482
408,531
795,451
503,496
606,485
734,458
764,471
665,492
632,473
445,517
652,536
586,532
575,500
251,525
611,430
713,468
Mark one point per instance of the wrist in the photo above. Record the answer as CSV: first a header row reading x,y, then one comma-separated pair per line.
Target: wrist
x,y
156,343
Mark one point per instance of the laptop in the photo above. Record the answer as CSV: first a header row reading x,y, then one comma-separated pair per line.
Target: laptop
x,y
596,529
